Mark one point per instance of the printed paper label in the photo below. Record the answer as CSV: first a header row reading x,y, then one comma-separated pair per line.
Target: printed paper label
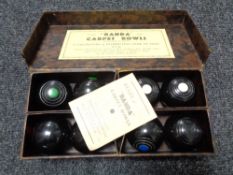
x,y
116,44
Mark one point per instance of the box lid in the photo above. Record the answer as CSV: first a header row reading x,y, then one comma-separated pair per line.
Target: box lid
x,y
43,47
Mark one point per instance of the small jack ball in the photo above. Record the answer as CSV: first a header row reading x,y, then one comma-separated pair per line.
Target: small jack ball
x,y
148,137
183,133
150,88
86,87
178,91
77,140
51,136
53,93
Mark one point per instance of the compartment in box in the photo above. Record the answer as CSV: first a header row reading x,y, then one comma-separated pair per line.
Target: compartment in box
x,y
29,149
68,78
206,146
161,76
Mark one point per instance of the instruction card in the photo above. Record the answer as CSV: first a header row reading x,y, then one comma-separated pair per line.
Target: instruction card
x,y
111,111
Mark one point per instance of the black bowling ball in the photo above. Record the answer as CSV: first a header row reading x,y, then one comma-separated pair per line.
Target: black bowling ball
x,y
77,140
54,93
86,87
183,133
52,136
148,137
178,91
150,88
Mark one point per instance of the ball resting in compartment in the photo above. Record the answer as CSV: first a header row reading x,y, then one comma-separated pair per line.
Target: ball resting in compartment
x,y
86,87
148,137
183,133
77,140
178,91
52,136
150,88
53,93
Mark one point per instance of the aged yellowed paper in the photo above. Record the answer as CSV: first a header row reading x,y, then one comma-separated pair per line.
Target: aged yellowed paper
x,y
111,111
116,44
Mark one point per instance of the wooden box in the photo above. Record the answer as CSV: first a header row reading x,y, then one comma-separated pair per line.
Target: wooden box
x,y
43,47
